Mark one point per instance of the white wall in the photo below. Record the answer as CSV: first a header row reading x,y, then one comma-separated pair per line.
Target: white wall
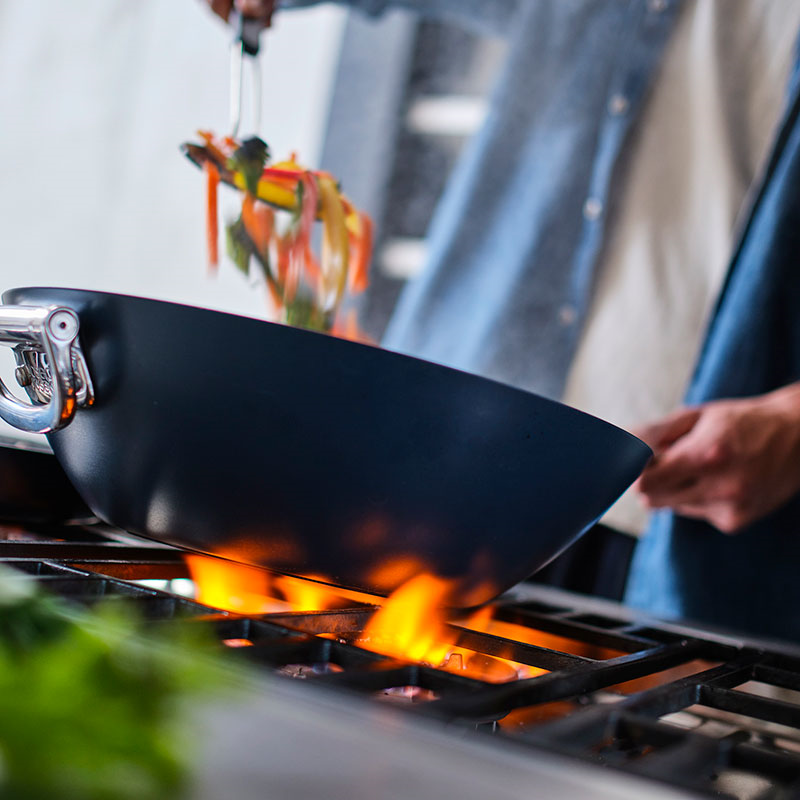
x,y
95,97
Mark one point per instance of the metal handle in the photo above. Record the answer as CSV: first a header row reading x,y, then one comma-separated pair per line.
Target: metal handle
x,y
50,366
246,43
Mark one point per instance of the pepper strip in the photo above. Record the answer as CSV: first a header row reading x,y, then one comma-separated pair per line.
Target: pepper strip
x,y
259,221
269,192
360,253
212,224
335,248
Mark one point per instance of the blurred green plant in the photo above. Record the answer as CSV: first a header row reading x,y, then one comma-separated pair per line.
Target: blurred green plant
x,y
94,703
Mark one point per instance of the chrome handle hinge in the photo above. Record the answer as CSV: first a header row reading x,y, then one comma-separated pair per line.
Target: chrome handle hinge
x,y
51,367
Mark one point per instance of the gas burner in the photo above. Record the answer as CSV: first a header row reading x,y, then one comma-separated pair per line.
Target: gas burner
x,y
699,710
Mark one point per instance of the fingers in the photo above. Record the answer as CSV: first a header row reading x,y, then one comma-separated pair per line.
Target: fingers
x,y
661,434
715,487
690,493
730,462
699,480
222,8
723,516
687,460
717,500
257,9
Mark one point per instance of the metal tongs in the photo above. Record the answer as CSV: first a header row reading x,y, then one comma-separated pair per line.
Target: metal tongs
x,y
245,47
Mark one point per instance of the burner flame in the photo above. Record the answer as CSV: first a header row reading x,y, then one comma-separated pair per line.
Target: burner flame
x,y
249,590
410,625
231,587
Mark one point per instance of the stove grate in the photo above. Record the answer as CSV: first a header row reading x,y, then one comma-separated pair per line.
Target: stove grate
x,y
706,713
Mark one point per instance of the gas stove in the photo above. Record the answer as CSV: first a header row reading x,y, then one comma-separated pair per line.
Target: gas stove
x,y
603,702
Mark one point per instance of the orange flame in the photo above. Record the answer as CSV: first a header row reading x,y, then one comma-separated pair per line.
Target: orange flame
x,y
411,624
231,587
306,595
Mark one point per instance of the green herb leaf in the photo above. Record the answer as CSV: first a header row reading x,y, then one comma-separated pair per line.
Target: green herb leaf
x,y
303,312
238,245
249,159
94,703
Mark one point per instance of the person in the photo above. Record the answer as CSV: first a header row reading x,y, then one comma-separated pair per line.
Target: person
x,y
622,234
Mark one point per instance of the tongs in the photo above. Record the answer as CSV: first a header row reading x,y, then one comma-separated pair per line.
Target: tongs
x,y
245,47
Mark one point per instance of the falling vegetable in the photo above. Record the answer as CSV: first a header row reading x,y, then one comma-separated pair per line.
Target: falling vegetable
x,y
212,232
274,231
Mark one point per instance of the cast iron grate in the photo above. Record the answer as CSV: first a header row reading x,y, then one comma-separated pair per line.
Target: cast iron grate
x,y
712,715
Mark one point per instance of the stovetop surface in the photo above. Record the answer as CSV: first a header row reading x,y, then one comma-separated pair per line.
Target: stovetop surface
x,y
681,710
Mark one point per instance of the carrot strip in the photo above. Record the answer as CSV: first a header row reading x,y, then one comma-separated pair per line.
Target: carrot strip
x,y
310,198
313,271
287,174
301,247
259,220
275,295
284,247
212,147
212,224
360,254
292,282
303,285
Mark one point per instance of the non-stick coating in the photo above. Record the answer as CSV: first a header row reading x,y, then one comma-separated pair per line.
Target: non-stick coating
x,y
316,456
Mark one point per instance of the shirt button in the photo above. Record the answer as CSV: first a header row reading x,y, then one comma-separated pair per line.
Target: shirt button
x,y
657,6
567,314
592,208
618,104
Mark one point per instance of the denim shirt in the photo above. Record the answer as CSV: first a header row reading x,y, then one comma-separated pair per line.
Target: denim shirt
x,y
686,568
517,240
518,233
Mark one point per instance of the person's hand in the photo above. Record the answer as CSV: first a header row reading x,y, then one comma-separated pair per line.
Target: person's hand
x,y
729,462
256,9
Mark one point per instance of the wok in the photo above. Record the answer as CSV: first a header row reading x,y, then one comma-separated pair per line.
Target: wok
x,y
302,452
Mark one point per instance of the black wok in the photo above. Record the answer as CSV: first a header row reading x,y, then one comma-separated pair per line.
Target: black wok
x,y
312,455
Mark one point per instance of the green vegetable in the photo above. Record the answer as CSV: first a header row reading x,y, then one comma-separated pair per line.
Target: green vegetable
x,y
238,245
249,159
92,703
303,312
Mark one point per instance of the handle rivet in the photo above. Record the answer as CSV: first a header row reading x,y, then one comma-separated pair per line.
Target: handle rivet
x,y
63,325
23,376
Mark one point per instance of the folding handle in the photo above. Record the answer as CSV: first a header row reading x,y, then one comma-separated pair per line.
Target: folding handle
x,y
50,366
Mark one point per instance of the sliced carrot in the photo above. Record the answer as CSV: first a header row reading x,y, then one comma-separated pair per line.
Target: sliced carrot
x,y
292,282
313,271
212,225
212,146
284,247
310,199
259,221
275,295
347,233
360,254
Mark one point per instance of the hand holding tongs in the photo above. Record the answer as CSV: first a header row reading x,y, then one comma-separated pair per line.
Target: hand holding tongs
x,y
249,18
